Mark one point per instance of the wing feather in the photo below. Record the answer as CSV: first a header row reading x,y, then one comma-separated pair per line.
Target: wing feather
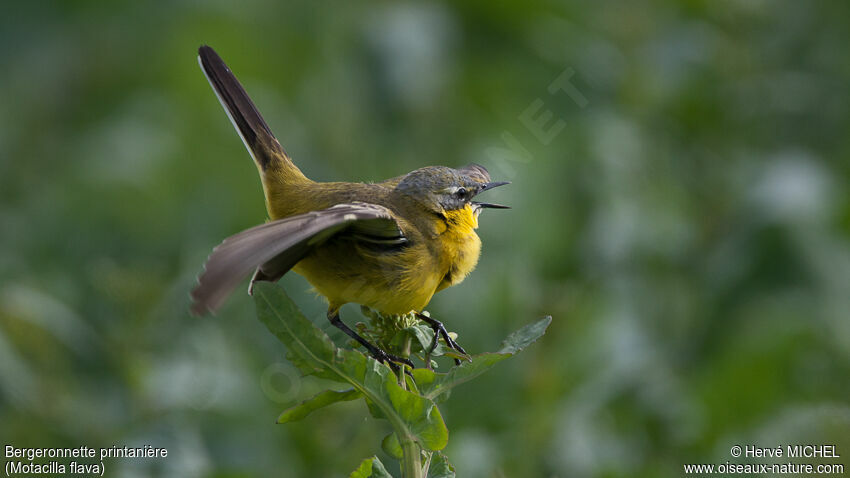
x,y
275,247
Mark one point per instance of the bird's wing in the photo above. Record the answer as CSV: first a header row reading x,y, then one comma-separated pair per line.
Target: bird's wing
x,y
258,138
275,247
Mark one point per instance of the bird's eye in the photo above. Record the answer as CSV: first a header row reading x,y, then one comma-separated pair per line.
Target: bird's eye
x,y
461,193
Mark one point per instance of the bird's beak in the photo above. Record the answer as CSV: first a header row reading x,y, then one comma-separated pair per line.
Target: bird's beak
x,y
486,205
487,186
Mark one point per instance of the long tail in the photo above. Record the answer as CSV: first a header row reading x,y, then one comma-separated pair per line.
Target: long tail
x,y
275,166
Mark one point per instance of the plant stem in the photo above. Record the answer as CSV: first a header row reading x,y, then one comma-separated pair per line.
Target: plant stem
x,y
411,460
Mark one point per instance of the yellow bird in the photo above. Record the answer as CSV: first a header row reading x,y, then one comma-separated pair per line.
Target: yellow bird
x,y
388,246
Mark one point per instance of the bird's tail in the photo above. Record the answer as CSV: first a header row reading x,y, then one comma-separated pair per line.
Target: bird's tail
x,y
276,168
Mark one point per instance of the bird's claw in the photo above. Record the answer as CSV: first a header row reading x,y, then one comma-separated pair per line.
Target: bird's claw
x,y
390,359
440,331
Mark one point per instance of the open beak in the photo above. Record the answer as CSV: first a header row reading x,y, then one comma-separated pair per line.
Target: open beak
x,y
487,205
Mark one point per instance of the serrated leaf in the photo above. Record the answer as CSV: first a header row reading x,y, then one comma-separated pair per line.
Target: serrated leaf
x,y
370,468
411,415
525,336
392,447
320,400
442,383
440,467
309,348
436,385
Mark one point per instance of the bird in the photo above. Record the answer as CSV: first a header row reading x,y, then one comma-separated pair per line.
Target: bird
x,y
388,245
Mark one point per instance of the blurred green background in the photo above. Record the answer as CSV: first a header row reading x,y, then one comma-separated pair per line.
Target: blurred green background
x,y
687,228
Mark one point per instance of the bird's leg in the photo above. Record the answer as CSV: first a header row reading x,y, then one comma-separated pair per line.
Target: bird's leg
x,y
440,331
376,352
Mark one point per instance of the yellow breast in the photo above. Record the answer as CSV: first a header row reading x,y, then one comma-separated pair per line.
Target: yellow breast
x,y
461,245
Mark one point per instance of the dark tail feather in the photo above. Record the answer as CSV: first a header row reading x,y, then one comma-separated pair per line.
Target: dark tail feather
x,y
255,133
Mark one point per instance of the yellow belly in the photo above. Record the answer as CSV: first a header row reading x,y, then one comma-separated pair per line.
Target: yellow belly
x,y
391,284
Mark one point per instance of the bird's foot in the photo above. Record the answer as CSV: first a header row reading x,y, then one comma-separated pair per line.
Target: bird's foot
x,y
388,358
376,352
440,331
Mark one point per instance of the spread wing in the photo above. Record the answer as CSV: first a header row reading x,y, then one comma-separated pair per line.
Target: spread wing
x,y
275,247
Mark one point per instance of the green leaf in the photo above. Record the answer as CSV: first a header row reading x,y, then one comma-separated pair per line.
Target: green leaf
x,y
371,468
435,386
420,334
421,416
525,336
374,410
412,416
423,334
308,347
320,400
391,446
440,467
378,470
364,470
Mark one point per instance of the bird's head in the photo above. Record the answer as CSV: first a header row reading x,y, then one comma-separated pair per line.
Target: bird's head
x,y
441,189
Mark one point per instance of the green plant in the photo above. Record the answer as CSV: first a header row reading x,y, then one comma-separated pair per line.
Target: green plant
x,y
406,400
